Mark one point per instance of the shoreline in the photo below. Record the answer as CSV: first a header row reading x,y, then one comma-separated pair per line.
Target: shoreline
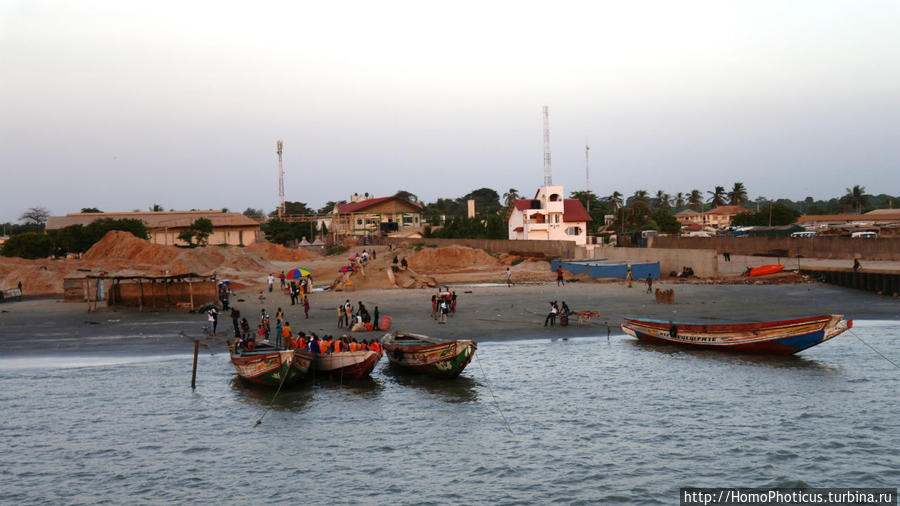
x,y
485,313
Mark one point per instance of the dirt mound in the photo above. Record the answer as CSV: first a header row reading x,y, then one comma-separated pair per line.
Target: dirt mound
x,y
125,246
279,253
451,258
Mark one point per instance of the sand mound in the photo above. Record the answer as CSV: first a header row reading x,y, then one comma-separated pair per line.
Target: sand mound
x,y
451,258
125,246
279,253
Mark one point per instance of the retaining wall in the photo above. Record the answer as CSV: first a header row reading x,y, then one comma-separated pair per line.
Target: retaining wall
x,y
563,249
882,248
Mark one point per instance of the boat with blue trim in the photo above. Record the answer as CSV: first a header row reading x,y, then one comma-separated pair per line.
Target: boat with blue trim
x,y
784,337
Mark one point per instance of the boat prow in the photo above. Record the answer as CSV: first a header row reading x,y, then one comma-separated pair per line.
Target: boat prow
x,y
270,366
346,365
784,337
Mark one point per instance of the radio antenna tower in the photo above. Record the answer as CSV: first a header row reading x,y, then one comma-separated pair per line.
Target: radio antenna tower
x,y
279,145
548,173
587,172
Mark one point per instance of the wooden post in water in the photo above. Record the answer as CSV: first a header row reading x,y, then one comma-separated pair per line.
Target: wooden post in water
x,y
194,371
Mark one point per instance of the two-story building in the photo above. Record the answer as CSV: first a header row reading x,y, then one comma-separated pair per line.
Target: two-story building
x,y
384,215
718,217
548,216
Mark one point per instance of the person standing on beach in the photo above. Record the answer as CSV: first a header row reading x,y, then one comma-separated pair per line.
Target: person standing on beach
x,y
282,277
306,306
341,316
271,281
235,315
375,323
559,276
856,265
213,319
649,283
508,277
628,274
444,309
434,307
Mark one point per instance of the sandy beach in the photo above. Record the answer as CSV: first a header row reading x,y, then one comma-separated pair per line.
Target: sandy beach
x,y
484,313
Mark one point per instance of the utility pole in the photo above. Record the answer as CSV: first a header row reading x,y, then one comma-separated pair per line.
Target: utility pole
x,y
587,173
548,173
279,145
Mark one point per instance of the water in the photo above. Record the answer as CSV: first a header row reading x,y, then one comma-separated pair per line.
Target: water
x,y
593,421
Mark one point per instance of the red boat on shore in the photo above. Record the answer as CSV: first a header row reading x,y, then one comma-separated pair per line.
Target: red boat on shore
x,y
764,270
784,337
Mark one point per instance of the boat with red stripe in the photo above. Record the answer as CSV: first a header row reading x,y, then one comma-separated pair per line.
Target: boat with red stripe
x,y
783,337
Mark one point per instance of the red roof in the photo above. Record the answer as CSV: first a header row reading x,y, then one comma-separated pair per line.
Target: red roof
x,y
519,229
362,204
523,204
573,211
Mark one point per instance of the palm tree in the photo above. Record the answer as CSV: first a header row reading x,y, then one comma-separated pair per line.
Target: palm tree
x,y
511,196
640,199
738,194
679,200
695,200
856,197
615,201
718,196
662,200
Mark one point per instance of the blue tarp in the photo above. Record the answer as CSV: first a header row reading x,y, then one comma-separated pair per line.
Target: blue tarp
x,y
602,268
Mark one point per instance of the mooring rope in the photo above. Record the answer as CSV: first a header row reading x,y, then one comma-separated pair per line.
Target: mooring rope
x,y
488,383
875,350
283,377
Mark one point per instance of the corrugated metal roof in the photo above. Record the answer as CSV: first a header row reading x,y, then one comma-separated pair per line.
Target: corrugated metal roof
x,y
354,207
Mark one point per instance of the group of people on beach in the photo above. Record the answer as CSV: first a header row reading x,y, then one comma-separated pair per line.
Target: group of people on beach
x,y
562,311
443,304
357,318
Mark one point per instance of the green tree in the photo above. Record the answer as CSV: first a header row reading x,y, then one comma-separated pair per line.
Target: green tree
x,y
198,231
738,194
695,200
329,206
486,201
615,201
780,215
598,208
679,200
407,196
31,245
856,197
666,223
90,210
511,196
662,200
156,208
256,214
717,197
35,218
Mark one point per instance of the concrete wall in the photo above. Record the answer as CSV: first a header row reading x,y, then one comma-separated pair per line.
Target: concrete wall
x,y
882,248
564,249
704,262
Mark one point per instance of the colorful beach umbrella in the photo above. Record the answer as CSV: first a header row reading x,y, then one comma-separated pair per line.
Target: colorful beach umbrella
x,y
298,273
347,268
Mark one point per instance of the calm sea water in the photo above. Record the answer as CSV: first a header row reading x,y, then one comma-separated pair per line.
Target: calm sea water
x,y
592,421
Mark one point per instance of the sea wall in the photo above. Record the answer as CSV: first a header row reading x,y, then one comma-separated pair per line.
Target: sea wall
x,y
704,262
562,249
882,248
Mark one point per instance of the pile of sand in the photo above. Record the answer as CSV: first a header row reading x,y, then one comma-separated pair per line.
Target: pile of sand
x,y
451,259
118,245
279,253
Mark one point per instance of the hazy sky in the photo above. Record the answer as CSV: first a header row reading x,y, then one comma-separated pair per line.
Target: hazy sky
x,y
120,105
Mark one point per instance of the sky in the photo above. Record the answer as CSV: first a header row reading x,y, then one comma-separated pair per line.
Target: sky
x,y
123,105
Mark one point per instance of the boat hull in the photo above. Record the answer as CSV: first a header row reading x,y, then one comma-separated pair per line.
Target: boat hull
x,y
765,270
272,368
346,365
784,337
440,359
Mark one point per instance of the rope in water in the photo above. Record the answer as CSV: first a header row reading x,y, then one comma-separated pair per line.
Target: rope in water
x,y
488,383
876,351
283,377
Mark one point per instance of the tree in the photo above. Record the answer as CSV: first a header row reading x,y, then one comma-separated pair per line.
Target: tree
x,y
256,214
35,218
407,196
856,197
29,245
738,194
662,200
511,196
598,208
200,230
615,201
679,200
292,208
718,196
329,206
487,201
779,213
224,209
665,222
90,210
695,200
156,208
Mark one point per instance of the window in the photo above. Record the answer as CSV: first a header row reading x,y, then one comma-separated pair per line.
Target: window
x,y
573,231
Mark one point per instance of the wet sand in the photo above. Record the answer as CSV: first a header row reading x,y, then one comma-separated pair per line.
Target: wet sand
x,y
484,313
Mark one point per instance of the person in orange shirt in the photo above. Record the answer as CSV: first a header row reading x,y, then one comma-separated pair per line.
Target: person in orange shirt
x,y
336,346
286,334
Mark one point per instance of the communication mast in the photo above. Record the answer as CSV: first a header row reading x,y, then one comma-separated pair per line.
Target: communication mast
x,y
279,145
587,173
548,175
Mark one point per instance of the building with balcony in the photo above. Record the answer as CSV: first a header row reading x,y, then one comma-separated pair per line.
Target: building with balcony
x,y
377,216
548,217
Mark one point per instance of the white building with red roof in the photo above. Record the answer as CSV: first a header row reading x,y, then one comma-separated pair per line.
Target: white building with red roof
x,y
548,217
377,216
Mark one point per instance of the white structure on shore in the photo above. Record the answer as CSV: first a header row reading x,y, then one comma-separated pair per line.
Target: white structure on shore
x,y
548,217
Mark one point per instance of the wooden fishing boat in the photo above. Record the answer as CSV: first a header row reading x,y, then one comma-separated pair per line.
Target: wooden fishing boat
x,y
784,337
765,269
346,365
267,365
418,353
